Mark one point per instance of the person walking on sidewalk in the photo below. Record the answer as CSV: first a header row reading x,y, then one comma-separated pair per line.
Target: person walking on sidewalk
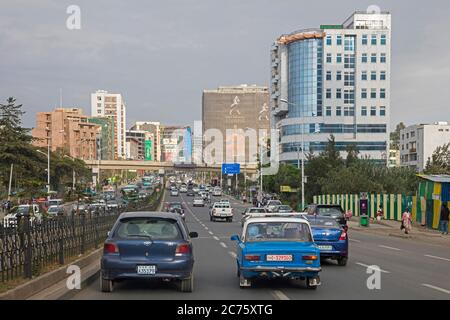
x,y
380,213
443,223
406,221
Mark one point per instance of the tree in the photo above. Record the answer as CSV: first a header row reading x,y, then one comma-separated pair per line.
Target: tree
x,y
439,163
352,154
395,136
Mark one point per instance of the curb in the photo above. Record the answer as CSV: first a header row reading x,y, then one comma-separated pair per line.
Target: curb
x,y
403,236
52,283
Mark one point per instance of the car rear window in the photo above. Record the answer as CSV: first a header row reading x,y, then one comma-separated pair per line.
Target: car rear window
x,y
278,231
153,228
257,210
222,205
328,211
274,203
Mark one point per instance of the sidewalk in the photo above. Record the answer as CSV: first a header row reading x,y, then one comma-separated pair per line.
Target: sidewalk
x,y
392,229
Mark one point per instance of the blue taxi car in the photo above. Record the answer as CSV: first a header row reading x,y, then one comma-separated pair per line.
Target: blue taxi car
x,y
277,247
331,238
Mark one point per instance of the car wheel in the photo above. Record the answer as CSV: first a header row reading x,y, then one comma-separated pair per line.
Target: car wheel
x,y
342,261
187,285
106,285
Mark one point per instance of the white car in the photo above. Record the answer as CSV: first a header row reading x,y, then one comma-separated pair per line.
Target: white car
x,y
217,192
198,202
174,193
53,211
221,210
183,189
272,205
10,220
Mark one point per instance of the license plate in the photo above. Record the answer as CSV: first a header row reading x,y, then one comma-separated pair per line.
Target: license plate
x,y
326,248
146,269
279,257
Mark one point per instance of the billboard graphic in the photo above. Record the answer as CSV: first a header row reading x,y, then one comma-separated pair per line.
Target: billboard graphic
x,y
148,150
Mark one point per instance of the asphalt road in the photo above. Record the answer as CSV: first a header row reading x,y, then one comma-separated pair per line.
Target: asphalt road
x,y
410,269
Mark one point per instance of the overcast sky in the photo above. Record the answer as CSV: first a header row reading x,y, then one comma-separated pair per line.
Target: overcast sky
x,y
161,54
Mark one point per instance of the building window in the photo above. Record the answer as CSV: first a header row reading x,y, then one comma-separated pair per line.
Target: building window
x,y
364,39
363,93
383,75
346,111
349,61
352,111
403,136
349,43
374,40
329,57
328,94
349,79
328,111
338,93
383,40
364,111
407,137
373,93
382,93
364,76
338,111
383,58
349,96
338,75
339,40
413,134
373,76
373,111
364,58
329,40
99,111
373,58
339,58
382,111
328,75
99,98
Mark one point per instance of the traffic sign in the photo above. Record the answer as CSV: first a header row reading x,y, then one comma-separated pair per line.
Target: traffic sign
x,y
231,168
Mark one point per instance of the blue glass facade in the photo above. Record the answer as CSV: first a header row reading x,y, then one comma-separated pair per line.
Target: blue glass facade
x,y
297,129
305,78
340,146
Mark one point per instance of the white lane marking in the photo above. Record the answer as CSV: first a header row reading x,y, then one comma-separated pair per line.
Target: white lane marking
x,y
233,254
367,266
354,240
210,233
436,288
216,238
390,248
223,245
436,257
280,295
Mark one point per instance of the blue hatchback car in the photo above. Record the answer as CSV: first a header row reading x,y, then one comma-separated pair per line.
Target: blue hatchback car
x,y
277,247
148,245
331,238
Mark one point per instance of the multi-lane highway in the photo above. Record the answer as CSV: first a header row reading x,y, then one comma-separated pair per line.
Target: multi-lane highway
x,y
409,269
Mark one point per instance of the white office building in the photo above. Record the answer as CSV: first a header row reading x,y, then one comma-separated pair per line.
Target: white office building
x,y
418,142
333,80
112,105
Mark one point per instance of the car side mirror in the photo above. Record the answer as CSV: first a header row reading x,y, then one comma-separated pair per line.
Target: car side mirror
x,y
193,234
108,233
235,238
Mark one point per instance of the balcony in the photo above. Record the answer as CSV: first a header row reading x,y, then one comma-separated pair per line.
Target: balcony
x,y
413,150
280,110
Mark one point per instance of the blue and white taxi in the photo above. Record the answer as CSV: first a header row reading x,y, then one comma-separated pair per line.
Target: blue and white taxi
x,y
277,247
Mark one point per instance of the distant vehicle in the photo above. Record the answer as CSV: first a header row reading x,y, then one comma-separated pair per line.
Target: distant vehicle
x,y
36,214
217,192
55,202
130,193
277,248
283,209
183,189
330,237
175,207
174,193
53,211
221,210
190,193
198,202
148,245
329,210
272,205
195,189
143,195
246,213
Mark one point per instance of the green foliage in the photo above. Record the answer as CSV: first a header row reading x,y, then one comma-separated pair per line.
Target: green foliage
x,y
395,136
439,163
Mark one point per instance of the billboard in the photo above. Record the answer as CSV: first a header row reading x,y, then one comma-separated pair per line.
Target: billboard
x,y
231,168
148,150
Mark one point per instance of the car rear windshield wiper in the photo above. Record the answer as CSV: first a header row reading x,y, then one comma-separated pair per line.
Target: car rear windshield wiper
x,y
139,236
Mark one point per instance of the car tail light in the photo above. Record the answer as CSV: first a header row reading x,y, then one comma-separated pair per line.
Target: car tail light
x,y
110,248
183,249
310,257
252,257
343,235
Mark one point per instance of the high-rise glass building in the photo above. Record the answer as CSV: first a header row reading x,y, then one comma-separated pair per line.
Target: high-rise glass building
x,y
333,80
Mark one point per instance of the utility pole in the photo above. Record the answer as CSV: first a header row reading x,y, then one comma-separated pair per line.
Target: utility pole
x,y
10,181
